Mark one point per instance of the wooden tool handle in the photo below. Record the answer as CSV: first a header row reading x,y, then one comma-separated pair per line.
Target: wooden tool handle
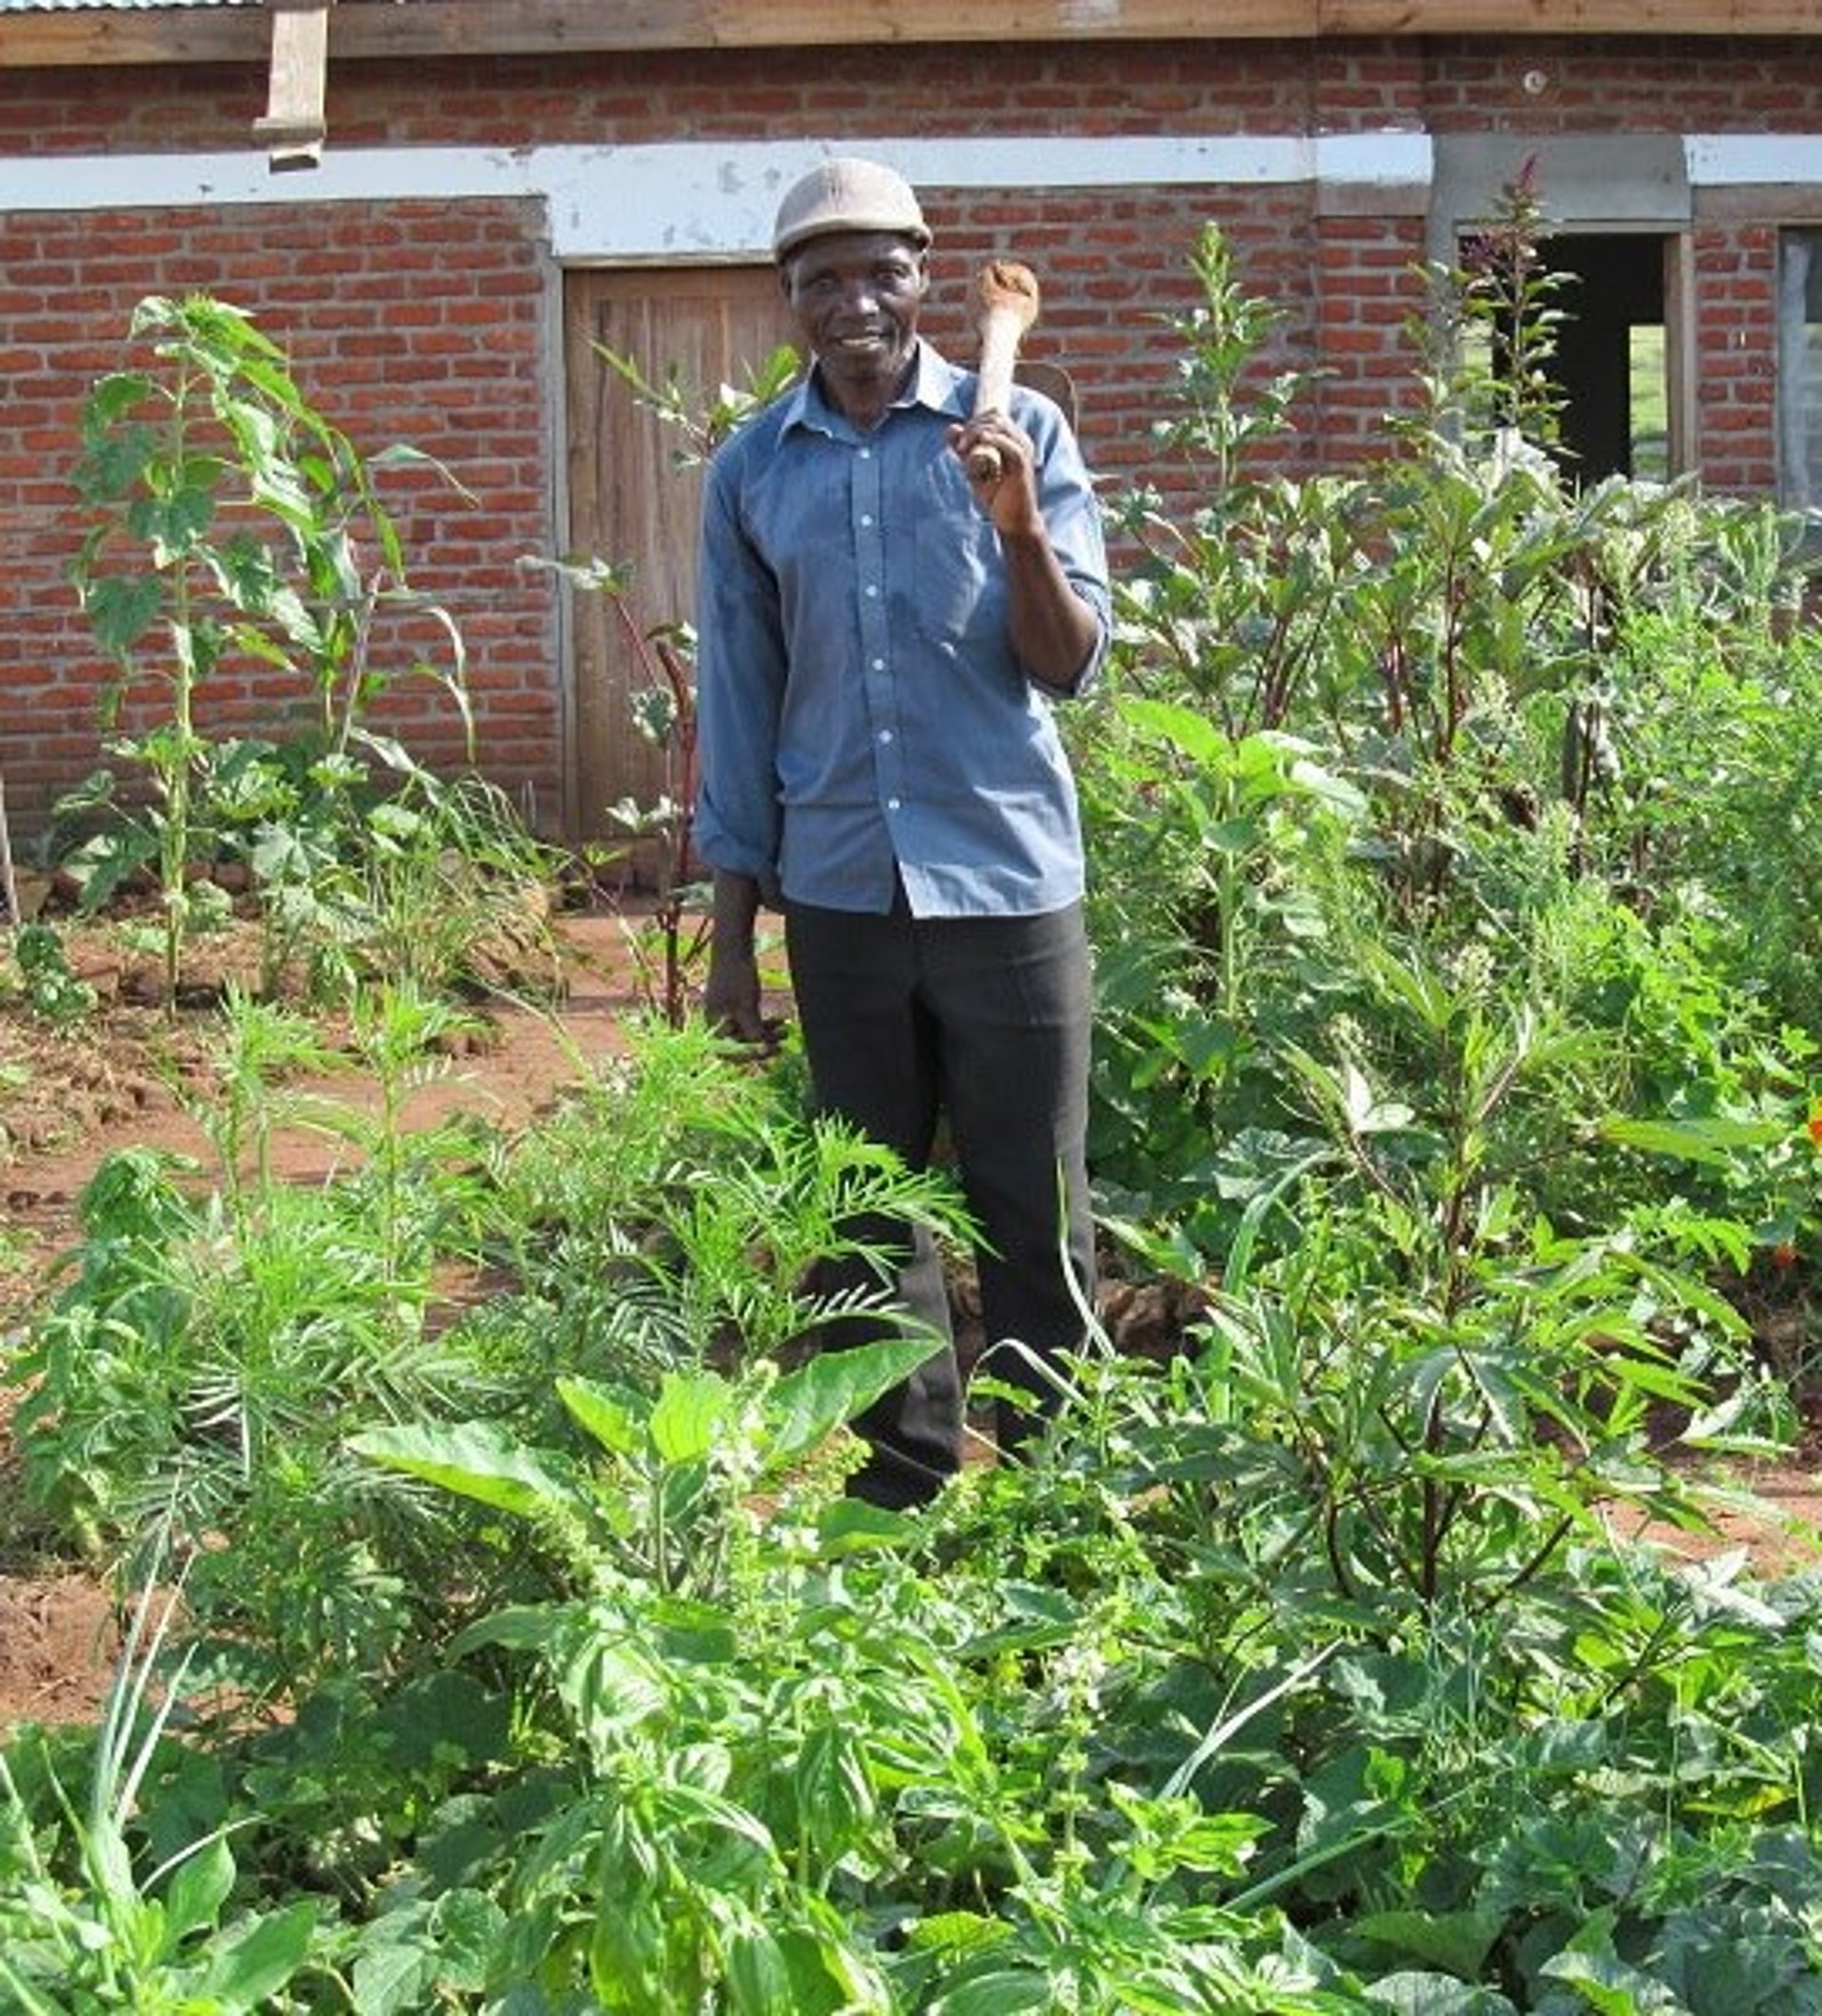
x,y
1006,295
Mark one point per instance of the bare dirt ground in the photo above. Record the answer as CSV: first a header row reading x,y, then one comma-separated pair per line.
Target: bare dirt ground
x,y
67,1100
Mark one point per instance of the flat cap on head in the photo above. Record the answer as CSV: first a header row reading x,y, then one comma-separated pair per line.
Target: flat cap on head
x,y
845,194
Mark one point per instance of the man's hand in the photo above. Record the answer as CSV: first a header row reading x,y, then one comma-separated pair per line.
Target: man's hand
x,y
1008,496
731,994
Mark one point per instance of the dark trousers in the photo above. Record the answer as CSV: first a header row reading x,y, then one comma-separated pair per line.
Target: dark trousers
x,y
982,1022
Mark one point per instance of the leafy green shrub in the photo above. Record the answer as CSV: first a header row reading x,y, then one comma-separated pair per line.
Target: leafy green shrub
x,y
1454,707
50,990
232,523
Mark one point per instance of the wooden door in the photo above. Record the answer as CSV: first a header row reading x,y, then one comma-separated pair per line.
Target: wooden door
x,y
630,504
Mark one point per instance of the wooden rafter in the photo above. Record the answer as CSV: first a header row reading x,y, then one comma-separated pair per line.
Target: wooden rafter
x,y
293,127
373,29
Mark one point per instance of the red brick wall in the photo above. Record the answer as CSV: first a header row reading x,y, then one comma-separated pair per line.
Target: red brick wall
x,y
422,324
1736,348
430,323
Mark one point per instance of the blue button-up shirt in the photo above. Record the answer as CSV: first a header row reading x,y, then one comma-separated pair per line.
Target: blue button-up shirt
x,y
863,717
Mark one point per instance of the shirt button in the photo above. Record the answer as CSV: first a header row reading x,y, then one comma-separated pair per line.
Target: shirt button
x,y
866,517
891,804
878,664
872,593
885,735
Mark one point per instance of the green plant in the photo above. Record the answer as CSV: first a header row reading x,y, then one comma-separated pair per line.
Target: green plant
x,y
52,992
434,884
1210,957
84,1923
249,509
198,1367
669,949
1533,719
1308,1667
790,1741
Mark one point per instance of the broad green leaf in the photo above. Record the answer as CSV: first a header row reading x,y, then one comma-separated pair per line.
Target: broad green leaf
x,y
476,1460
1611,1986
1190,733
524,1627
810,1403
196,1893
173,526
119,393
850,1525
1335,793
993,1994
467,1926
835,1798
955,1933
1456,1940
685,1422
122,609
393,1978
1431,1994
758,1979
603,1414
249,1966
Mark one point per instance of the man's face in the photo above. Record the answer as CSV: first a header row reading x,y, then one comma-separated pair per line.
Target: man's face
x,y
855,298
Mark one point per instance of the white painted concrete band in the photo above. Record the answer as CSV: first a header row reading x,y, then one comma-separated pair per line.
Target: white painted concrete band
x,y
689,200
1737,160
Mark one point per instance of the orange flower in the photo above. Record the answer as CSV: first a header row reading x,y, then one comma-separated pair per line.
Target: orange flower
x,y
1816,1125
1783,1255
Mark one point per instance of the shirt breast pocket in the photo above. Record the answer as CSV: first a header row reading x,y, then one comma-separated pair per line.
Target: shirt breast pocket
x,y
957,590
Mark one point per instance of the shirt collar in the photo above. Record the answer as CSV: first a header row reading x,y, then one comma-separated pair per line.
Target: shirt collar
x,y
934,383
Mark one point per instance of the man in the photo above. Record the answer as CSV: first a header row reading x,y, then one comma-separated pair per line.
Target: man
x,y
880,636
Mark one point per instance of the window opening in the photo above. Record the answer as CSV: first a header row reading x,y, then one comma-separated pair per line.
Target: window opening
x,y
1613,358
1611,364
1799,370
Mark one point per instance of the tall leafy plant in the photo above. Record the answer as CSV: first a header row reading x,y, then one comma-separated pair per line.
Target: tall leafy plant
x,y
231,527
1469,647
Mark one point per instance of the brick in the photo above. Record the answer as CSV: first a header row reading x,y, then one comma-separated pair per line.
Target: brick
x,y
426,321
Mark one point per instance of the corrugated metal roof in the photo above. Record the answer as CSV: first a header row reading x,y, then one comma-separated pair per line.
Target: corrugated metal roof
x,y
111,6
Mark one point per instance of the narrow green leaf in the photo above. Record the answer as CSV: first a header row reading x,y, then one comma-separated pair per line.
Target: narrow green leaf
x,y
1712,1141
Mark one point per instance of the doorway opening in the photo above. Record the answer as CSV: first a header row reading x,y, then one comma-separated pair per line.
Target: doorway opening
x,y
1615,358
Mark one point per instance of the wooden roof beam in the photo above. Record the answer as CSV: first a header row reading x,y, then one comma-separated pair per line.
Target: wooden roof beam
x,y
293,127
417,29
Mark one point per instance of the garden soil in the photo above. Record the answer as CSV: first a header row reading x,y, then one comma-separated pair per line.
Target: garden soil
x,y
67,1100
